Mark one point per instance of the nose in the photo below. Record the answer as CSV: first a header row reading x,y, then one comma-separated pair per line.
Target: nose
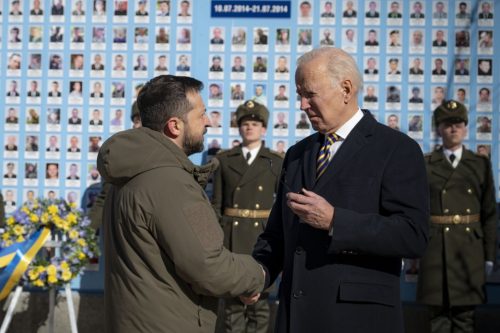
x,y
304,103
206,121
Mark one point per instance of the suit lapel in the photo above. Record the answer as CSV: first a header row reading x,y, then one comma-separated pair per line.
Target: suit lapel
x,y
443,168
309,162
465,167
352,144
238,163
260,164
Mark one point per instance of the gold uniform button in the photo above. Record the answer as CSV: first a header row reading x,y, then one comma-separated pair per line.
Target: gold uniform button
x,y
260,188
456,219
238,188
467,229
469,191
256,224
446,210
236,223
467,210
235,205
446,229
257,206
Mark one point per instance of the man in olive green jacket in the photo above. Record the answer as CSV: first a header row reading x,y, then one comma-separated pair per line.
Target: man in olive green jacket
x,y
462,227
244,187
165,260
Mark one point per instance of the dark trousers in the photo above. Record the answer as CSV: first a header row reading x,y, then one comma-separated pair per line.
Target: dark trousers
x,y
241,318
455,319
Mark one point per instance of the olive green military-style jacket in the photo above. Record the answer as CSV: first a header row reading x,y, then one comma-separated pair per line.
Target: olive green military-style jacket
x,y
165,262
455,258
245,187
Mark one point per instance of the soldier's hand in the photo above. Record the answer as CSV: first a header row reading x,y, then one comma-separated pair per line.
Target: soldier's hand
x,y
250,300
311,209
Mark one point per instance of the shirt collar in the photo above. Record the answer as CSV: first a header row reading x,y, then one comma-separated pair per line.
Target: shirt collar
x,y
457,153
345,129
253,152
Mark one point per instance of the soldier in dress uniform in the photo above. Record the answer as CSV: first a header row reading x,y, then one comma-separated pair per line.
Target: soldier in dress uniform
x,y
463,221
244,188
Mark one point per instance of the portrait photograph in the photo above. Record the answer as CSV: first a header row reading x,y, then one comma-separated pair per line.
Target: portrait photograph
x,y
239,39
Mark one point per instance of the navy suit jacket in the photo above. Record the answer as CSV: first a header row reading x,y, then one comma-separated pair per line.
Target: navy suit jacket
x,y
348,282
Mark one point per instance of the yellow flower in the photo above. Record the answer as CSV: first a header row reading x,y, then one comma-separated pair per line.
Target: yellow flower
x,y
8,243
33,274
58,222
64,265
81,242
51,270
10,220
34,218
71,218
18,230
25,210
73,234
52,279
45,218
5,236
52,209
81,255
40,268
73,205
38,283
66,275
20,239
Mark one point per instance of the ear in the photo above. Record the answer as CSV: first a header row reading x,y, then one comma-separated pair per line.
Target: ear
x,y
173,128
347,90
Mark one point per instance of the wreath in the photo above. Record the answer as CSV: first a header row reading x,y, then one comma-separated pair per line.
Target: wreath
x,y
53,236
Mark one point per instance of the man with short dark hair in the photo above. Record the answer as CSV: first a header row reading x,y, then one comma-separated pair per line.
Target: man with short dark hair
x,y
166,264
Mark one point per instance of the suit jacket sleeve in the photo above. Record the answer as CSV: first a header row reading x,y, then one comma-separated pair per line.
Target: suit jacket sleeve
x,y
489,212
400,229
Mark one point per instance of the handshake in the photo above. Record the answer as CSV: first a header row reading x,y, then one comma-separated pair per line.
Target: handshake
x,y
249,300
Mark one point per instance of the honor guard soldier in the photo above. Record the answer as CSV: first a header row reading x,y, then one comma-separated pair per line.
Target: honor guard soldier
x,y
463,221
244,187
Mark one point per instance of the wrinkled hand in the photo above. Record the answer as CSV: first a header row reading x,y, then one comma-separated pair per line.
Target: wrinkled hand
x,y
250,300
311,209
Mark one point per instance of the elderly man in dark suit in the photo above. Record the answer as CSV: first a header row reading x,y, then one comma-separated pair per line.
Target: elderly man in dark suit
x,y
353,200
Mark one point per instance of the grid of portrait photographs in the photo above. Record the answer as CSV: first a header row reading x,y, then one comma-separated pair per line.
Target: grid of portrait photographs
x,y
71,70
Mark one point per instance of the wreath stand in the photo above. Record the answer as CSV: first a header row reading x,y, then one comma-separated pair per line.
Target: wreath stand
x,y
51,244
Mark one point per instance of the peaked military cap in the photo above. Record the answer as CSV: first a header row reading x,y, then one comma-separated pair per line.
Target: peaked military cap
x,y
251,110
451,111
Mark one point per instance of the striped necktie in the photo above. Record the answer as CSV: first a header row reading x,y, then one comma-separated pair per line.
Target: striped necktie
x,y
324,154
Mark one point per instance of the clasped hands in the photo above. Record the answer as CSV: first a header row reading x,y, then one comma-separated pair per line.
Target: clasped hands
x,y
311,209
